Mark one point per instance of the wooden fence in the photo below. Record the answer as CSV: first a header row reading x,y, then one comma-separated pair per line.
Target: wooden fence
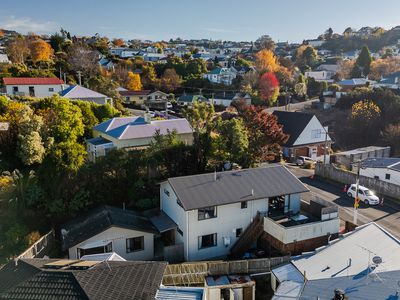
x,y
195,273
174,253
40,248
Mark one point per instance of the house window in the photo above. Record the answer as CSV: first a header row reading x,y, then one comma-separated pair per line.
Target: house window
x,y
387,176
127,99
207,213
179,231
96,250
166,192
316,134
135,244
243,204
238,231
51,89
15,89
206,241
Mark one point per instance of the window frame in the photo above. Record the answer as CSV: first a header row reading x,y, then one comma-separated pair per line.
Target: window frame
x,y
243,205
127,244
210,217
200,241
387,176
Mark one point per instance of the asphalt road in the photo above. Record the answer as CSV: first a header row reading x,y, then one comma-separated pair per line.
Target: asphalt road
x,y
388,216
300,106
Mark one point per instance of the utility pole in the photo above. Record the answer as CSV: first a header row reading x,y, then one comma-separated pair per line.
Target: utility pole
x,y
79,77
357,199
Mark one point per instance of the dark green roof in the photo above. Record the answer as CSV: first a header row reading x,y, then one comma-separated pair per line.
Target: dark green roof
x,y
191,98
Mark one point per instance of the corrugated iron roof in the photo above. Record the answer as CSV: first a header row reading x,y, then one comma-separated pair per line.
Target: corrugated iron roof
x,y
32,81
198,191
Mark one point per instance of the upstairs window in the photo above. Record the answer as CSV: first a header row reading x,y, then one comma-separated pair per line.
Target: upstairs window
x,y
316,134
135,244
207,213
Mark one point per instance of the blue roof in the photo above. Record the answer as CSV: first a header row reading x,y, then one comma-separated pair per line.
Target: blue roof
x,y
125,128
391,79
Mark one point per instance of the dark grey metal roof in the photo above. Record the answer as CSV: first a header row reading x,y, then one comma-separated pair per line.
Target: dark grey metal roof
x,y
29,279
362,286
198,191
163,222
381,162
99,219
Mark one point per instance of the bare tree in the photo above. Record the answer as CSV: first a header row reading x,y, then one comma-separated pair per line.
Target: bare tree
x,y
84,59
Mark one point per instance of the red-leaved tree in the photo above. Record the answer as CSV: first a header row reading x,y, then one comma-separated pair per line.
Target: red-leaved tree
x,y
268,86
264,133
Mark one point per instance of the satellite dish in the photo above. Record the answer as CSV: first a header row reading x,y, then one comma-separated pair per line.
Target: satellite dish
x,y
377,260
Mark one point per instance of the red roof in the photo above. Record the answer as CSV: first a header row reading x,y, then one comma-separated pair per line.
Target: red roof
x,y
31,81
133,93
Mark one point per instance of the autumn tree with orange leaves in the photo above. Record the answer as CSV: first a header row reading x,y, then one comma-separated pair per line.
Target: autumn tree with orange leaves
x,y
134,82
266,61
41,51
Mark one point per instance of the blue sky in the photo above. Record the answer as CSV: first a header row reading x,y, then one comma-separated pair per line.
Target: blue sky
x,y
292,20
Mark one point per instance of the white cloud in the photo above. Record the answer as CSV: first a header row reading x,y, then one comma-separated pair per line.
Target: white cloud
x,y
24,25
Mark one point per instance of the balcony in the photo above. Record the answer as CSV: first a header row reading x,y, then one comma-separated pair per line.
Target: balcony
x,y
317,219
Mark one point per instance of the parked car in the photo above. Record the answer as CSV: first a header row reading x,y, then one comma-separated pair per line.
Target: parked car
x,y
367,196
169,105
152,113
302,160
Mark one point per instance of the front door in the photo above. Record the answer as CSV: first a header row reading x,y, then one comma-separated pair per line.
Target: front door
x,y
32,91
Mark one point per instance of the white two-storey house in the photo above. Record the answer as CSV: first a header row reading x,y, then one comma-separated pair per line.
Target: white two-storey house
x,y
213,210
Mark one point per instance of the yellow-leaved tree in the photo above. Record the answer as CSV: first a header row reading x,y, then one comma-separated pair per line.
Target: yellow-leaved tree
x,y
41,51
134,82
365,111
266,61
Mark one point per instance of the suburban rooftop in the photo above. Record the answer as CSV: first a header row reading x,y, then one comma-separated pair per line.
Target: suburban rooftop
x,y
221,188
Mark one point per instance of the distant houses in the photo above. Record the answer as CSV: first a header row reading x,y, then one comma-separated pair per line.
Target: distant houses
x,y
221,75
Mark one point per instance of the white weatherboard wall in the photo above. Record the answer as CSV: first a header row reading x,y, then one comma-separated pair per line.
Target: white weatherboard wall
x,y
381,173
41,90
306,136
303,232
118,237
169,205
229,218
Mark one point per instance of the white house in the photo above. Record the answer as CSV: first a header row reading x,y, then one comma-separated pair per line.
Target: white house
x,y
382,168
320,75
4,59
134,132
362,264
109,229
221,75
33,87
226,99
213,211
307,136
